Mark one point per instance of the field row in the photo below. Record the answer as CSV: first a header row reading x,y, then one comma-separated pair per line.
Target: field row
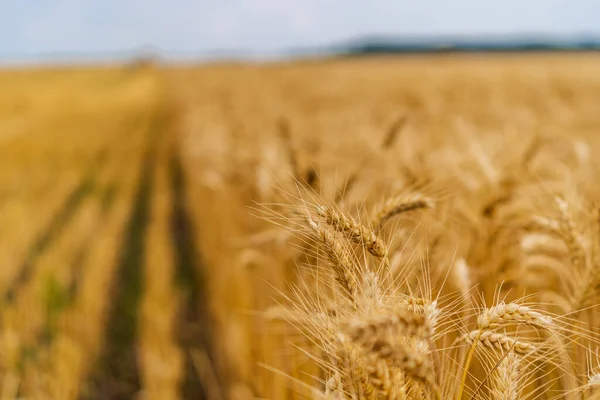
x,y
94,291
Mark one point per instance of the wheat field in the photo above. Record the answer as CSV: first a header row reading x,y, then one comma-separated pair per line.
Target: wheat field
x,y
419,227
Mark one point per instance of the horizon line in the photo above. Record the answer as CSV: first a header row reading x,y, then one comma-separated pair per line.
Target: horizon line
x,y
428,43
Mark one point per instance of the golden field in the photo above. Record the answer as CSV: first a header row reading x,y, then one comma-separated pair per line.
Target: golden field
x,y
376,228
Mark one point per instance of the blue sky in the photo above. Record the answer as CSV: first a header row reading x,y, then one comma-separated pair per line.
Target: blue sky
x,y
39,27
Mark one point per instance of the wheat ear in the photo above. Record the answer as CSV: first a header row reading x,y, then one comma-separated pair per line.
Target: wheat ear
x,y
398,205
512,313
408,356
499,341
506,382
353,230
339,258
401,322
570,235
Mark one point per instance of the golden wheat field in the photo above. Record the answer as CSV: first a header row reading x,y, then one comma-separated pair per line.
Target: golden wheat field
x,y
423,227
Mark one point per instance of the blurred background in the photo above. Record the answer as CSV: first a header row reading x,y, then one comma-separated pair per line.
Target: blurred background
x,y
139,139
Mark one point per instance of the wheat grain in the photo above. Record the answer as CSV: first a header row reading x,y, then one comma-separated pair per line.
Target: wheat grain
x,y
512,313
506,382
405,355
499,341
401,322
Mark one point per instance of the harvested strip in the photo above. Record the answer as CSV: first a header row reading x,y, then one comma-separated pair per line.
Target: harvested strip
x,y
67,274
160,360
195,331
44,297
78,342
18,243
70,357
118,374
51,232
107,185
54,226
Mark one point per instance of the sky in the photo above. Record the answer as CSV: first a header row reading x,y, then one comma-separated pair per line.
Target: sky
x,y
39,28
